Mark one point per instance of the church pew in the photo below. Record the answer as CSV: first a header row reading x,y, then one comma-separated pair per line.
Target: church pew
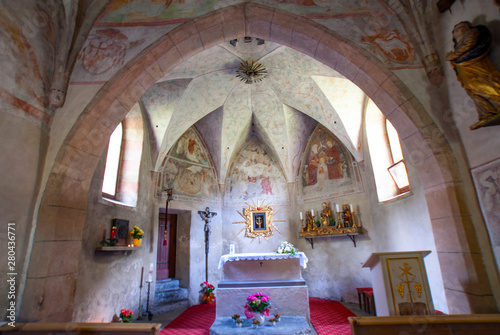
x,y
42,328
426,324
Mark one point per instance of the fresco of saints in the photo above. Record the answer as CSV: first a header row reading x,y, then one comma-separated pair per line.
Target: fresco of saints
x,y
322,168
333,161
312,165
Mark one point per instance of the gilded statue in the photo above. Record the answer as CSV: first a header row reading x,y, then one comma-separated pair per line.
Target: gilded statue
x,y
475,71
310,221
326,215
346,216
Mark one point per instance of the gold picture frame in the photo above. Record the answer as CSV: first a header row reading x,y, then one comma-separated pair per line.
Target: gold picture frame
x,y
259,221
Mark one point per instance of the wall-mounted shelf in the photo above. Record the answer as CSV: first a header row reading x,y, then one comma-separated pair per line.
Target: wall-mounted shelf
x,y
116,249
351,232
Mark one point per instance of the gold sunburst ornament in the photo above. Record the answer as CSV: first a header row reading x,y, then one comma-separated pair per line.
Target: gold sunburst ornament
x,y
259,221
251,72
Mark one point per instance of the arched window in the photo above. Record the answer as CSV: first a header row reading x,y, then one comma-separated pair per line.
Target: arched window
x,y
389,169
398,168
111,170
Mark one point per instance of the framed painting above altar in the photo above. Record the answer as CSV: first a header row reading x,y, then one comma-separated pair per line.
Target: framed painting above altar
x,y
259,221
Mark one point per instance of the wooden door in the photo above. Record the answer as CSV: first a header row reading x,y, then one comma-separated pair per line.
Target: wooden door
x,y
165,262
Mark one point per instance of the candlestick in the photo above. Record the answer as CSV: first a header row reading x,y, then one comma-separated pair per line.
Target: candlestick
x,y
301,216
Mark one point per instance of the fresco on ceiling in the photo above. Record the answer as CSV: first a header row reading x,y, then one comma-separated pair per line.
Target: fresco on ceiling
x,y
123,11
255,176
105,48
391,45
327,168
487,180
27,58
188,171
150,11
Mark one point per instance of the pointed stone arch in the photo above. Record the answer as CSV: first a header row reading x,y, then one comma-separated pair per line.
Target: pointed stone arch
x,y
64,201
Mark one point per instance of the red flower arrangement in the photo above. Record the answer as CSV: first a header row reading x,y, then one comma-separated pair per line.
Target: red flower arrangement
x,y
208,292
257,303
126,315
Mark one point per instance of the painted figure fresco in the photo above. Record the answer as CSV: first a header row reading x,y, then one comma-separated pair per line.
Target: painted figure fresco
x,y
187,169
190,148
328,167
254,175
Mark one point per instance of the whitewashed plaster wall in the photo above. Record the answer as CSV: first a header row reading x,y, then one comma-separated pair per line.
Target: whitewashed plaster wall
x,y
23,146
403,224
108,282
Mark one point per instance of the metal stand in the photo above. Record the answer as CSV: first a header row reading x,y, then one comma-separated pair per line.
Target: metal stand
x,y
148,312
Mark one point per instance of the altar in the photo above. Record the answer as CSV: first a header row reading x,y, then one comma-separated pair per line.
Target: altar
x,y
277,275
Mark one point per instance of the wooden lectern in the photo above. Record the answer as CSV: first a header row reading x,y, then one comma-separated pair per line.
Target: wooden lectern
x,y
400,284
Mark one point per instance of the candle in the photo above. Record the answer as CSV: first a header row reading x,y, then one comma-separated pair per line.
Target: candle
x,y
312,212
301,215
337,208
151,268
351,208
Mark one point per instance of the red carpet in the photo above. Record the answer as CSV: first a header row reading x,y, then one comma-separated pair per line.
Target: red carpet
x,y
327,317
195,320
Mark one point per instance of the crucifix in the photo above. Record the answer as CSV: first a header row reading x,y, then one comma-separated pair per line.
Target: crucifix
x,y
206,215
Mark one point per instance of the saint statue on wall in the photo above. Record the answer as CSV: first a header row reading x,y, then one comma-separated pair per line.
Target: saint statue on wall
x,y
476,72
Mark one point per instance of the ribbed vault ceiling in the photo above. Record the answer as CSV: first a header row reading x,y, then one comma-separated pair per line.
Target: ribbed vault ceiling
x,y
282,110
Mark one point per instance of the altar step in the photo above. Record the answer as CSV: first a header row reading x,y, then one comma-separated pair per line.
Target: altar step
x,y
169,296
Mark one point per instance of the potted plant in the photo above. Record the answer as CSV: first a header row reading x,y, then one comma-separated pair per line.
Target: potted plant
x,y
137,235
277,317
235,317
126,315
255,323
273,321
239,322
208,292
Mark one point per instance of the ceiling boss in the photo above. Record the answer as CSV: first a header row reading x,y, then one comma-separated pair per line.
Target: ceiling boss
x,y
259,221
251,72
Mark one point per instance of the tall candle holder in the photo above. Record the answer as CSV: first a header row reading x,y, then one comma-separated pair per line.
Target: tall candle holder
x,y
302,224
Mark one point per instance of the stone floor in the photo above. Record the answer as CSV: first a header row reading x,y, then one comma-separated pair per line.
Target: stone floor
x,y
167,317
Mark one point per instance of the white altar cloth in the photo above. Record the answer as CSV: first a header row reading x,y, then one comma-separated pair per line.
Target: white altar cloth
x,y
262,256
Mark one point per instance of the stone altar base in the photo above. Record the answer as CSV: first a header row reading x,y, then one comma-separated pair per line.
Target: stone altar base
x,y
285,300
287,325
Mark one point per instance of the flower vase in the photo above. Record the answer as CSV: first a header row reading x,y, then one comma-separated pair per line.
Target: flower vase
x,y
137,242
260,317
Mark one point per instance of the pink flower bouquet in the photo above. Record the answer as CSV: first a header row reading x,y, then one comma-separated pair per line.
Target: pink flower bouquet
x,y
257,303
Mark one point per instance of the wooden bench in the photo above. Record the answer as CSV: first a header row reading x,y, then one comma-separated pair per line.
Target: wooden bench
x,y
426,324
40,328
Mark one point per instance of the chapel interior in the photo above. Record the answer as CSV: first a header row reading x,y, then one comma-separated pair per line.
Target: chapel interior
x,y
299,105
